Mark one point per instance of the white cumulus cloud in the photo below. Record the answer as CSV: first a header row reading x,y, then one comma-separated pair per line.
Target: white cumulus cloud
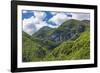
x,y
25,11
41,24
59,18
28,26
53,13
39,14
34,23
38,17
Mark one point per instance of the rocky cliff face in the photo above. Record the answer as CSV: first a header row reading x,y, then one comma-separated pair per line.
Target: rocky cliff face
x,y
68,30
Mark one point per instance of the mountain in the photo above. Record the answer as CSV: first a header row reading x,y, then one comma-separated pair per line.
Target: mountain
x,y
72,50
43,33
86,21
69,30
70,41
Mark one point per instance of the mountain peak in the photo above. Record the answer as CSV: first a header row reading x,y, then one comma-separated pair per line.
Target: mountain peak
x,y
45,28
86,21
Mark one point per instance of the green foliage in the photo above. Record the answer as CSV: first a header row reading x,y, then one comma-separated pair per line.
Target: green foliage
x,y
72,50
69,30
43,33
40,46
32,50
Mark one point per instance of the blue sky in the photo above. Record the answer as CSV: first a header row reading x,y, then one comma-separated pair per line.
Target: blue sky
x,y
34,20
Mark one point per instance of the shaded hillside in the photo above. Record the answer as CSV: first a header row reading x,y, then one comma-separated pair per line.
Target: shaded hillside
x,y
70,29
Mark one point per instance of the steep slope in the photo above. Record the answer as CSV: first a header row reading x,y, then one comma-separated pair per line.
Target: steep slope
x,y
69,30
42,37
32,49
72,50
43,33
86,22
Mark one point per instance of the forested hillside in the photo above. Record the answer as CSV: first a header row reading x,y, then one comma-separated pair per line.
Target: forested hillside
x,y
70,41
